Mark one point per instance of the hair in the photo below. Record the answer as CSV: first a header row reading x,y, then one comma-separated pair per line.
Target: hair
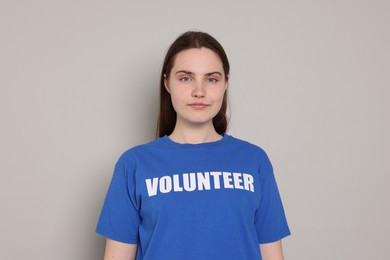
x,y
189,40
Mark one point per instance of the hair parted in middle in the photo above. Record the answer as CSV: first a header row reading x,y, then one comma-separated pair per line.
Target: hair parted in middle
x,y
189,40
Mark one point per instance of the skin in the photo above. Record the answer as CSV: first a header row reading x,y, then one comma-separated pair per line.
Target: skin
x,y
197,76
272,251
119,251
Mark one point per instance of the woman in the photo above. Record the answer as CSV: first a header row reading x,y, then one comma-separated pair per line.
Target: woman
x,y
195,192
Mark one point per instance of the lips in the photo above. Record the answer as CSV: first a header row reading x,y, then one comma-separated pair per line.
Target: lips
x,y
198,105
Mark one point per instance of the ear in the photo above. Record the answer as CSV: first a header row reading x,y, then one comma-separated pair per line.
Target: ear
x,y
166,83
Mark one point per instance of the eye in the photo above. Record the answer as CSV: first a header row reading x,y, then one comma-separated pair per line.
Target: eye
x,y
212,80
185,79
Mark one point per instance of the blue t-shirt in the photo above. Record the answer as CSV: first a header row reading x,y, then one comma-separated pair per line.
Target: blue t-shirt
x,y
213,200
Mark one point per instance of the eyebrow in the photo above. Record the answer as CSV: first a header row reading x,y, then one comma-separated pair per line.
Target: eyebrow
x,y
191,73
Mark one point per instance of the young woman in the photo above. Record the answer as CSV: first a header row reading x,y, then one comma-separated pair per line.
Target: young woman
x,y
195,192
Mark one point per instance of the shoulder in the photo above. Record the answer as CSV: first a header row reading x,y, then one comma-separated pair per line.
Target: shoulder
x,y
130,155
253,153
247,146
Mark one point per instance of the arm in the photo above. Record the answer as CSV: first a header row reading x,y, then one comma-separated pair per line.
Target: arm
x,y
119,251
272,251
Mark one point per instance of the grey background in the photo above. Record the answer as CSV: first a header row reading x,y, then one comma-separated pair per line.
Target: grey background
x,y
309,84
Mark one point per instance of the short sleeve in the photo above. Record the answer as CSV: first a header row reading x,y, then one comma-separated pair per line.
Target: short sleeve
x,y
119,219
270,220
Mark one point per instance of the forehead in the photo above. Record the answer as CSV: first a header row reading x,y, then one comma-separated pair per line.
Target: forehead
x,y
198,60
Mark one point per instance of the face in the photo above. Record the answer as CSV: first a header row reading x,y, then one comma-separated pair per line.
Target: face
x,y
197,85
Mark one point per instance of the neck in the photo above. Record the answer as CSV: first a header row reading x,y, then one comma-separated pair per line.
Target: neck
x,y
194,134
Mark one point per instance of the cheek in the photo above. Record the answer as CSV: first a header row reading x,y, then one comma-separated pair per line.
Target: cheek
x,y
218,95
178,96
178,100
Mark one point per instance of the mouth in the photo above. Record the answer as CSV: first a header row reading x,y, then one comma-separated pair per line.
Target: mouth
x,y
198,105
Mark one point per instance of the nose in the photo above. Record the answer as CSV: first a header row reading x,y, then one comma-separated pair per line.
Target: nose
x,y
199,90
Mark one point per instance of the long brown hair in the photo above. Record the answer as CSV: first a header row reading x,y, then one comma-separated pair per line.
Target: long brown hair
x,y
188,40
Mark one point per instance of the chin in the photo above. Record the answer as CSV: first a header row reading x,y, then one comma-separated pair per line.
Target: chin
x,y
197,117
198,120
